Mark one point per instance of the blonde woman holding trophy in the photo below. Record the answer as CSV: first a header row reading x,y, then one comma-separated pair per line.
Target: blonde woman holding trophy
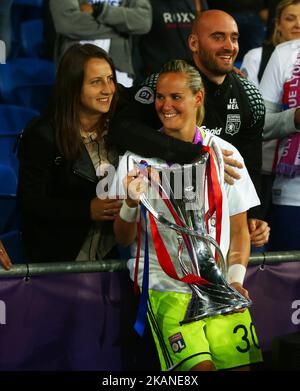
x,y
189,238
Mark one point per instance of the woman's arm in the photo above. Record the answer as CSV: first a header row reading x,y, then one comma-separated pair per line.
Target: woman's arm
x,y
125,224
70,21
126,230
134,19
239,251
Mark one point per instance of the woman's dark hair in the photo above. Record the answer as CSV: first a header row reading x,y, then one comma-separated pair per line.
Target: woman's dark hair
x,y
67,92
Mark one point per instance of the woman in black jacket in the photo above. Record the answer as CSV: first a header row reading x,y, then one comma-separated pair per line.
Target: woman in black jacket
x,y
63,155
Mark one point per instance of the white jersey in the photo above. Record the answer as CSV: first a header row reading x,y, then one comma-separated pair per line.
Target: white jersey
x,y
250,65
277,76
237,198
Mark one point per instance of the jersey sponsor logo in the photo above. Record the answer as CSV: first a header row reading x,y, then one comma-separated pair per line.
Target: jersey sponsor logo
x,y
232,104
233,124
177,342
145,95
215,131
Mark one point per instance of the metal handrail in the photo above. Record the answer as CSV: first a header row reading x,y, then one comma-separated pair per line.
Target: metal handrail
x,y
113,265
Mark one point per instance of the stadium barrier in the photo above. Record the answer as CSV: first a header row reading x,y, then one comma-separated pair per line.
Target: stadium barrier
x,y
80,315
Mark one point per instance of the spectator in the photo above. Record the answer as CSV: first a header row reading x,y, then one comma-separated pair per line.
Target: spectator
x,y
287,27
167,39
247,16
209,343
108,24
234,109
63,155
280,87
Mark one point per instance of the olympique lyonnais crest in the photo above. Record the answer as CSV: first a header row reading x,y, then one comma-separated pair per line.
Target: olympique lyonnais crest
x,y
233,124
177,343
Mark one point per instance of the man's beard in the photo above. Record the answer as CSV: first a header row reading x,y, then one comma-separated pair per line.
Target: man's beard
x,y
211,64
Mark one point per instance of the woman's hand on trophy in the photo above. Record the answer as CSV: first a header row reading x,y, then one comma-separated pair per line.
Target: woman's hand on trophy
x,y
230,166
239,287
134,185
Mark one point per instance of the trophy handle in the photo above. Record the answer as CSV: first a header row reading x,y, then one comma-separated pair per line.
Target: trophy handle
x,y
185,230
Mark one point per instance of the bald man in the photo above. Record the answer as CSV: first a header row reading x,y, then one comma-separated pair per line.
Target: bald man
x,y
234,109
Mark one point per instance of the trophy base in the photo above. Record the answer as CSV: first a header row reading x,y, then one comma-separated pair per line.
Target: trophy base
x,y
205,307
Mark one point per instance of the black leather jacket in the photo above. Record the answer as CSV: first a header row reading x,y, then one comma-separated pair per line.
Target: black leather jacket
x,y
54,196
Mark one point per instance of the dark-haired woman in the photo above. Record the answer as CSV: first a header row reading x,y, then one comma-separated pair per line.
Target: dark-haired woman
x,y
63,156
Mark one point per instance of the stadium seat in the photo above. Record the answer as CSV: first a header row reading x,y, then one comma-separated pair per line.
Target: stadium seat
x,y
31,33
238,64
23,10
27,82
8,191
33,3
13,119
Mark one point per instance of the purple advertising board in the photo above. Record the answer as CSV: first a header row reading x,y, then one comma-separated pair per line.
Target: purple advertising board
x,y
275,291
85,321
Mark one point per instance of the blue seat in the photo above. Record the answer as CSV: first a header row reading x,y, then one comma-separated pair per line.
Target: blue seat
x,y
31,33
27,82
238,64
12,242
13,119
8,181
33,3
23,10
8,194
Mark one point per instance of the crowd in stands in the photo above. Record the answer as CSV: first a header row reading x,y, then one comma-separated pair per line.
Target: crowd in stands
x,y
88,74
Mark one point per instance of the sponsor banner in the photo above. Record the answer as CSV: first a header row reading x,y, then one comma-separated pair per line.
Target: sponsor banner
x,y
85,321
275,291
62,322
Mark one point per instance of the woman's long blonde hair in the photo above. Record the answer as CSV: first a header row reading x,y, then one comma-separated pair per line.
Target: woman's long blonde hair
x,y
194,81
277,37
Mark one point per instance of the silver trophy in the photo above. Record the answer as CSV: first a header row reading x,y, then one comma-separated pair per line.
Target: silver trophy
x,y
184,187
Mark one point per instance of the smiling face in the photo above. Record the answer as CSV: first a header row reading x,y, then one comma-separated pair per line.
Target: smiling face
x,y
214,43
98,87
288,24
176,105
